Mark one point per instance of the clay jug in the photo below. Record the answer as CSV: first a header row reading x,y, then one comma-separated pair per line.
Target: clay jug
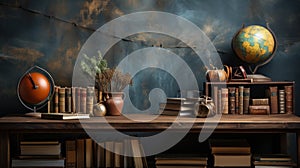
x,y
114,103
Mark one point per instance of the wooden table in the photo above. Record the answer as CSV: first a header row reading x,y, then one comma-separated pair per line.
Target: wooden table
x,y
281,123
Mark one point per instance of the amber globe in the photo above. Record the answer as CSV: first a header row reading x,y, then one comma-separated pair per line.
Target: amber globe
x,y
34,88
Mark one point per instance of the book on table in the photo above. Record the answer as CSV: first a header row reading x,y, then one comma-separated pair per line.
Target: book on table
x,y
64,116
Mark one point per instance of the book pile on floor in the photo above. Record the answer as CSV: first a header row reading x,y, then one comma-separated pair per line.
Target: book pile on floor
x,y
180,161
273,160
39,154
230,152
178,106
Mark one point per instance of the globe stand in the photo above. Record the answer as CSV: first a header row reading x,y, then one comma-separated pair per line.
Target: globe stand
x,y
30,86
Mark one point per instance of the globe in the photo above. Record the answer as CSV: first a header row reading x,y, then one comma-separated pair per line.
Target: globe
x,y
254,44
35,88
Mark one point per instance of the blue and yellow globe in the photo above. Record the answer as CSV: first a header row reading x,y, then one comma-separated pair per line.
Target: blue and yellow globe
x,y
254,44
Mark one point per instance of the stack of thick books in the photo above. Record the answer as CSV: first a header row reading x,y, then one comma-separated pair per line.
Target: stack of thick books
x,y
273,160
177,161
178,106
230,152
39,154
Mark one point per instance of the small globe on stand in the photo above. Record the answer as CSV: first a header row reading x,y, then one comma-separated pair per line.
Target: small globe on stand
x,y
35,88
255,45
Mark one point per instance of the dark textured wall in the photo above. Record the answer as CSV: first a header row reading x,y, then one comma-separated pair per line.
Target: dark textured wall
x,y
41,33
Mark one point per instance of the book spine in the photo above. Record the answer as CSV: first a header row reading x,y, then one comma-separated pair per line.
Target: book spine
x,y
90,100
259,109
224,95
241,99
246,100
80,152
88,152
109,155
231,95
83,100
100,161
62,101
219,102
118,154
236,100
56,97
215,95
74,99
50,105
68,99
70,153
281,101
272,93
289,99
260,101
78,101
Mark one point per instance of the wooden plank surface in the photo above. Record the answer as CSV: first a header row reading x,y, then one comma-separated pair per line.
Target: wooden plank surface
x,y
139,122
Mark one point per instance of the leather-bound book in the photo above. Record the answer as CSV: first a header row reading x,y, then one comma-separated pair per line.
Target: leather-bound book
x,y
272,94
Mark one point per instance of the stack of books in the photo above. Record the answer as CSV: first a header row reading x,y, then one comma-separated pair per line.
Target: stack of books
x,y
230,152
178,161
273,160
178,106
259,106
39,154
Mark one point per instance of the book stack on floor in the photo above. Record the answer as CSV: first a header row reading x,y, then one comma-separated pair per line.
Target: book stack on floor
x,y
230,152
180,161
178,106
273,160
39,154
88,153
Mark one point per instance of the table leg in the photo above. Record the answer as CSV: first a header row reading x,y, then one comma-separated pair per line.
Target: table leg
x,y
298,149
4,149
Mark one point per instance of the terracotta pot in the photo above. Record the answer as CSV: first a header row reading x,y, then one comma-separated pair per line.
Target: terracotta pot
x,y
114,102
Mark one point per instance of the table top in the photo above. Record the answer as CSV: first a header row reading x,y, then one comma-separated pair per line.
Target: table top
x,y
145,122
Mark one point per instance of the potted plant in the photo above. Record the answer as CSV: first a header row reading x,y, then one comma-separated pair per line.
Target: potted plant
x,y
110,82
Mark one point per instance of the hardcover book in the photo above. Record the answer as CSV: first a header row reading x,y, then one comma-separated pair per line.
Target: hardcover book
x,y
259,109
281,101
64,116
229,146
224,94
272,94
262,101
241,100
68,99
288,99
231,95
62,100
70,153
246,100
